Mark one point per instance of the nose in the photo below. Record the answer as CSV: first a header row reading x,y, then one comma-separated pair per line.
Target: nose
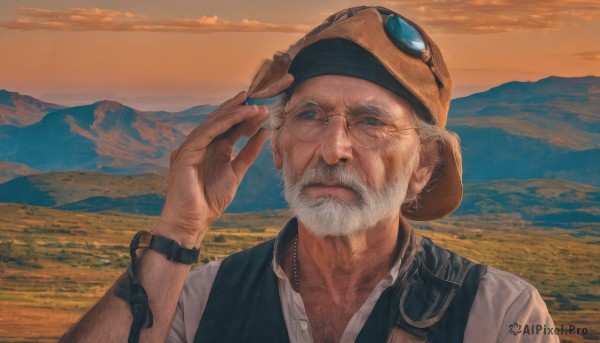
x,y
336,144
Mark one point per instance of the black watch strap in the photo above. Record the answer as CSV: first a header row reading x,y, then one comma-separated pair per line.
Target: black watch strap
x,y
168,247
138,298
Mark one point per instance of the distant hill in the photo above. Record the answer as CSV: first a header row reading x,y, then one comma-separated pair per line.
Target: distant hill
x,y
543,202
22,110
139,194
144,103
563,112
185,121
147,204
101,136
494,153
9,170
57,189
544,129
554,89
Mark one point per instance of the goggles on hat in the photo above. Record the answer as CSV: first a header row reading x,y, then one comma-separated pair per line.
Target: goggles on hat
x,y
400,31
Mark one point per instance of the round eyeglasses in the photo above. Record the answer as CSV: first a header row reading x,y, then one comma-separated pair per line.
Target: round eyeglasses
x,y
308,123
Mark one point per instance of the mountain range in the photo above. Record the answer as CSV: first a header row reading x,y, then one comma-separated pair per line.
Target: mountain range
x,y
144,103
22,110
544,129
99,136
548,130
103,136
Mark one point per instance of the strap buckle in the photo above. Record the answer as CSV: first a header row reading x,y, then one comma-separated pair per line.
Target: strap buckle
x,y
145,240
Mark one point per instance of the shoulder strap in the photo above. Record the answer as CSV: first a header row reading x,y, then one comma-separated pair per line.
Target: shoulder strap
x,y
244,305
451,327
437,298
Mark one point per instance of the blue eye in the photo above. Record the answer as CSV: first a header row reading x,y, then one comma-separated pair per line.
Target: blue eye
x,y
371,121
307,115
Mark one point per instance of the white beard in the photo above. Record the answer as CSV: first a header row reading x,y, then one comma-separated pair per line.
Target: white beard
x,y
330,216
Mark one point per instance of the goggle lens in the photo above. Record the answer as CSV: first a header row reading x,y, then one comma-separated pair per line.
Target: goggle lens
x,y
404,35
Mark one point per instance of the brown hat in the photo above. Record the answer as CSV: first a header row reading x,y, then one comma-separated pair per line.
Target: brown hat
x,y
423,74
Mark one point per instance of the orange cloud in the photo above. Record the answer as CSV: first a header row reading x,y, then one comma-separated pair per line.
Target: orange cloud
x,y
592,56
95,19
450,16
495,16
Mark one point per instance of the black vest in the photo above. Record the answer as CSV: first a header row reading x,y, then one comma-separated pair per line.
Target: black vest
x,y
432,300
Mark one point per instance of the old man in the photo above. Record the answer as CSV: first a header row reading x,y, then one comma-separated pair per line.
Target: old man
x,y
358,133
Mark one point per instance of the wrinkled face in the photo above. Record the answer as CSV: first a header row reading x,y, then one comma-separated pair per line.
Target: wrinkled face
x,y
334,183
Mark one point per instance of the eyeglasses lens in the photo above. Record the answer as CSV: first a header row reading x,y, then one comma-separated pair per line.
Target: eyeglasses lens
x,y
311,124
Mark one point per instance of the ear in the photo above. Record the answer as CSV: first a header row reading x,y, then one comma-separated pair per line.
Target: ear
x,y
428,158
277,158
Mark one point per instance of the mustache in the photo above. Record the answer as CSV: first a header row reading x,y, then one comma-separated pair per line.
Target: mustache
x,y
323,172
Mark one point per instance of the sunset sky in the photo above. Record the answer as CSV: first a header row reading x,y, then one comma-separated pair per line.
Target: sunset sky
x,y
209,49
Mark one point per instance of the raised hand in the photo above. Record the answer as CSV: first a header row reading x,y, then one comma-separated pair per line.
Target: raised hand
x,y
204,175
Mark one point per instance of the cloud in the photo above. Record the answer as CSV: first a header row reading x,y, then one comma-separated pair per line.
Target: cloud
x,y
449,16
496,16
95,19
591,56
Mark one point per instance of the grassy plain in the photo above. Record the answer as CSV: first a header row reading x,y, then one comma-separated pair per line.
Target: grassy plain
x,y
55,264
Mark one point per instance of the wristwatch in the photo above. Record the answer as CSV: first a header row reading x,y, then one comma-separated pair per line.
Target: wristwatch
x,y
165,246
137,297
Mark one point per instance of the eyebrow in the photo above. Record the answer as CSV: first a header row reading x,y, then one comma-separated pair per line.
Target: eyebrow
x,y
370,109
304,103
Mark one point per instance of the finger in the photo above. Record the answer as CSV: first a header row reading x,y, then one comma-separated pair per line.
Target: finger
x,y
274,88
216,118
236,100
248,154
227,107
224,108
208,133
248,127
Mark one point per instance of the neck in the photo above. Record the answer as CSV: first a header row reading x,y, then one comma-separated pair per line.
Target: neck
x,y
345,267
